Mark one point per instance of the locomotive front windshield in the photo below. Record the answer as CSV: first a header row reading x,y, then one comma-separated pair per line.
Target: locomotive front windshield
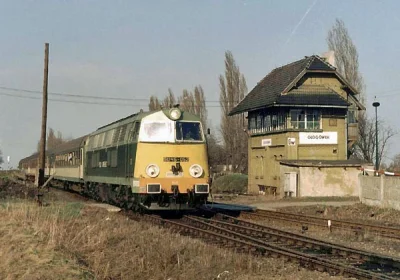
x,y
188,131
163,131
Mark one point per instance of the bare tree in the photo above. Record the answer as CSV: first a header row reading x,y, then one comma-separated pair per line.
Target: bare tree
x,y
186,101
365,147
346,59
1,158
170,100
53,140
200,104
346,56
193,102
394,166
216,152
232,90
154,103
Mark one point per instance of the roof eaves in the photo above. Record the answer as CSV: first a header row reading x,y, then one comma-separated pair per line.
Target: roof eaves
x,y
311,105
358,103
233,112
344,80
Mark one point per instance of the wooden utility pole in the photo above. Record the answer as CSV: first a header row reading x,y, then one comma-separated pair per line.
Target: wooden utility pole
x,y
42,152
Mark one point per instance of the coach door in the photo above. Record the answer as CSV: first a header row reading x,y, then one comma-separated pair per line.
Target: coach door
x,y
81,164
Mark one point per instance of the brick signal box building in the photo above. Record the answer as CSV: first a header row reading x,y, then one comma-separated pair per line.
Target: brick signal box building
x,y
302,119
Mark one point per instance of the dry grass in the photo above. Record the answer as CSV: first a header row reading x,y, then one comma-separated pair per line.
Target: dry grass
x,y
72,241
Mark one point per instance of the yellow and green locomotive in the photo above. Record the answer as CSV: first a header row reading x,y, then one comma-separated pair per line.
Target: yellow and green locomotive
x,y
150,160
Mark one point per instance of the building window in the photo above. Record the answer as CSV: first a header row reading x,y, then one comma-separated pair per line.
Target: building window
x,y
267,122
352,116
252,122
260,122
305,119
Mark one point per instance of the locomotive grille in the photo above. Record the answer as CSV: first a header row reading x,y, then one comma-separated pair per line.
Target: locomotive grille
x,y
153,188
203,188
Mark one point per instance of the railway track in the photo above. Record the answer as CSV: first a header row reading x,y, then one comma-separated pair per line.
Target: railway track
x,y
292,218
317,255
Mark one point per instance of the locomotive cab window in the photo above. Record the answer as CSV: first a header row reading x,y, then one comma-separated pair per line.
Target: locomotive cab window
x,y
188,131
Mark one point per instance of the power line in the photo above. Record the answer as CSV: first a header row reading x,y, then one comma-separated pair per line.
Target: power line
x,y
83,96
72,101
381,94
87,102
75,95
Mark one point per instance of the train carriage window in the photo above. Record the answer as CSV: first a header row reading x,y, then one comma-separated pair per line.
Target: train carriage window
x,y
95,159
188,131
70,159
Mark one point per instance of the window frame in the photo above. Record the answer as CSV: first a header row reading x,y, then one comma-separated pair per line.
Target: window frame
x,y
186,141
305,123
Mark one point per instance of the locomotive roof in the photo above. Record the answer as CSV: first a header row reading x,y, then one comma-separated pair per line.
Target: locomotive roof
x,y
74,144
140,115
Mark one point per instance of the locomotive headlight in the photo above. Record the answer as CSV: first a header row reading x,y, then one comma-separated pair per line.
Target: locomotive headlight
x,y
152,170
175,113
196,171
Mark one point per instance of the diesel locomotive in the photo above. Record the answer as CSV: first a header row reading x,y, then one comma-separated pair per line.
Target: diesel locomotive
x,y
150,160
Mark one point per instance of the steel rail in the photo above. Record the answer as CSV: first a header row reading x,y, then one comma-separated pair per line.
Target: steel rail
x,y
244,243
359,258
389,232
293,238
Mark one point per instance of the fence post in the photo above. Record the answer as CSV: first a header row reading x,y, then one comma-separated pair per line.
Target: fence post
x,y
382,187
360,186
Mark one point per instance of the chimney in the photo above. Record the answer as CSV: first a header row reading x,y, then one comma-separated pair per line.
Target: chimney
x,y
329,57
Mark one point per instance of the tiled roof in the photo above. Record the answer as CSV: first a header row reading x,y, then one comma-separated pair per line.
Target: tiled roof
x,y
269,89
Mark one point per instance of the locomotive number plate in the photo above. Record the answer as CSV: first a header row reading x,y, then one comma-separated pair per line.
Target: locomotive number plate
x,y
176,159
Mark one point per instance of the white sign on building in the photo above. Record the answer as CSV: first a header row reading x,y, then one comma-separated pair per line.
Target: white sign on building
x,y
318,137
266,142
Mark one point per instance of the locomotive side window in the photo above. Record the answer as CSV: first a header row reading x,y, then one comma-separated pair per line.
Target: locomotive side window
x,y
122,134
101,140
112,157
134,132
116,135
109,137
188,131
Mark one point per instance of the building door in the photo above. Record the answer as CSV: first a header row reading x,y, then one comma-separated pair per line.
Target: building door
x,y
290,184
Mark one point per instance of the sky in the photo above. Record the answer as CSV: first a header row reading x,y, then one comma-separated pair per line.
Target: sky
x,y
135,49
